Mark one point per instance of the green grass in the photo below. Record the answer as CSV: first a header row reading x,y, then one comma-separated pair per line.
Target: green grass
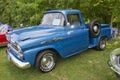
x,y
89,65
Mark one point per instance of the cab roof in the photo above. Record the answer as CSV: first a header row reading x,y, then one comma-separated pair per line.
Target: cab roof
x,y
65,11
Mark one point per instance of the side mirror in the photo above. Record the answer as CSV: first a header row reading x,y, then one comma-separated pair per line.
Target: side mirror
x,y
68,24
71,26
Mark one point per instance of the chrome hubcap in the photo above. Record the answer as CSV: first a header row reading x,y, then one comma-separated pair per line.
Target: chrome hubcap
x,y
102,44
47,61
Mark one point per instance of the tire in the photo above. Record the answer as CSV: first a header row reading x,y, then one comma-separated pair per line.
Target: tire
x,y
46,61
102,44
118,75
94,28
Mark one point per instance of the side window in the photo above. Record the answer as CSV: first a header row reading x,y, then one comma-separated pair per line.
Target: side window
x,y
73,19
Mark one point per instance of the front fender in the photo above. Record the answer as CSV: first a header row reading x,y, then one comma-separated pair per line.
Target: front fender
x,y
30,55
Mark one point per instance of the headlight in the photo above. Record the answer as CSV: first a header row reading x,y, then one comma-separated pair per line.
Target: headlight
x,y
19,48
114,55
11,40
20,54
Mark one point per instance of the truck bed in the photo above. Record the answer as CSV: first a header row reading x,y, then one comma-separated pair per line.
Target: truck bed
x,y
102,25
105,32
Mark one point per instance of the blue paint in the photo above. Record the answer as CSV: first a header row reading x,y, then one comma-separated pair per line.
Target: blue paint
x,y
66,40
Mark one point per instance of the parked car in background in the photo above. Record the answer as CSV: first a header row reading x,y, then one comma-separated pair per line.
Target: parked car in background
x,y
61,32
114,62
4,29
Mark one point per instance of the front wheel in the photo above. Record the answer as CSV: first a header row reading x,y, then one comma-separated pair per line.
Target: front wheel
x,y
46,61
102,44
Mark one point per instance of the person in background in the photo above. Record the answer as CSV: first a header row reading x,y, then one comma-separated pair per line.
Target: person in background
x,y
114,32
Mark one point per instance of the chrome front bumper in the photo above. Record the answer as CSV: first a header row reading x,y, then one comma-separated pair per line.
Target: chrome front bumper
x,y
17,62
113,68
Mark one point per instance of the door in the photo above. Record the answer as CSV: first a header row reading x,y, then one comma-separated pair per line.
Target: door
x,y
77,38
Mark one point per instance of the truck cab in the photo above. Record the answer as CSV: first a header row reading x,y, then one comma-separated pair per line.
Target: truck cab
x,y
61,32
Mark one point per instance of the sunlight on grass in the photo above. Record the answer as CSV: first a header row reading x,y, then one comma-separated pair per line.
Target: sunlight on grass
x,y
89,65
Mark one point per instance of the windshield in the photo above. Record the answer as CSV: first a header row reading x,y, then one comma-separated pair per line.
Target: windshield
x,y
56,19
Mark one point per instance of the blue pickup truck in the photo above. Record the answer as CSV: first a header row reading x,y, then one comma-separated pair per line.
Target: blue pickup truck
x,y
61,32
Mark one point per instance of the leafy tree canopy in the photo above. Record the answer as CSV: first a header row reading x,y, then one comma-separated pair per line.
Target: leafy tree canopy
x,y
30,12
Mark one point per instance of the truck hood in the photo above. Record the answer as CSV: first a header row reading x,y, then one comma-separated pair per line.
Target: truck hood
x,y
34,32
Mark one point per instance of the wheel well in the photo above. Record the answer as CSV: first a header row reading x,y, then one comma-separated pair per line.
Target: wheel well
x,y
105,37
44,50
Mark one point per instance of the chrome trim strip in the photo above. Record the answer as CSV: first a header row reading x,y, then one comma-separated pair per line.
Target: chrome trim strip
x,y
112,68
54,40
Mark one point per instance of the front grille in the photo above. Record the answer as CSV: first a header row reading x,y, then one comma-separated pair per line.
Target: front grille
x,y
14,48
118,60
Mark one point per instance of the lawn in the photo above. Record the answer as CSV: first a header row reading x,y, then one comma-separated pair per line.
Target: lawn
x,y
89,65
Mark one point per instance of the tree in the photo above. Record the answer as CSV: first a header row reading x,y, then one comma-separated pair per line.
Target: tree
x,y
30,12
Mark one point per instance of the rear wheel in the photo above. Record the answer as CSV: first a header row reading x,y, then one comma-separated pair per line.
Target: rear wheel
x,y
102,44
46,61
